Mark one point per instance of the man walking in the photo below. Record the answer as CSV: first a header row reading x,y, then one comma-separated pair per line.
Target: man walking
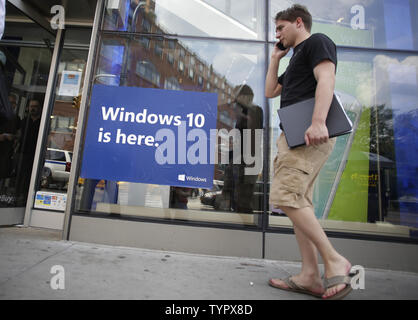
x,y
311,73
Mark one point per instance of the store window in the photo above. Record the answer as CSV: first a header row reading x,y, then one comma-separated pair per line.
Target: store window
x,y
369,177
222,19
368,184
390,24
234,198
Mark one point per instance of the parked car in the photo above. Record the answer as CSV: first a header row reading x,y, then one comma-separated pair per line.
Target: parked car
x,y
214,196
57,168
209,196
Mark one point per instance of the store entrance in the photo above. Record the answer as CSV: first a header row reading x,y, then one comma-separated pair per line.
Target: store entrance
x,y
36,146
25,59
56,155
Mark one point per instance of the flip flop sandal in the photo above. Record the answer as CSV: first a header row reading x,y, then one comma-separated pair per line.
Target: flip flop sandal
x,y
333,281
293,287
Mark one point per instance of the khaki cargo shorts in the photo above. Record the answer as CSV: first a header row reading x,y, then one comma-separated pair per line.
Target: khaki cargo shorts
x,y
295,172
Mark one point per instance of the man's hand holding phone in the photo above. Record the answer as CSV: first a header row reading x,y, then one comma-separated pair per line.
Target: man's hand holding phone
x,y
279,51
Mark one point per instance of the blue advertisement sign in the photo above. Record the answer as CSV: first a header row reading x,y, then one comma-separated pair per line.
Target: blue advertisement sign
x,y
150,136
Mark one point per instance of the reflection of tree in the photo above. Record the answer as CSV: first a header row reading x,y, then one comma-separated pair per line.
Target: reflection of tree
x,y
384,138
379,147
398,181
384,135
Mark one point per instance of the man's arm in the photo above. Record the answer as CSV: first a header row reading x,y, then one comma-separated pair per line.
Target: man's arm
x,y
273,88
324,74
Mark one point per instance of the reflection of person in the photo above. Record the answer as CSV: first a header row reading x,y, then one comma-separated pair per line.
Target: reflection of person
x,y
29,136
7,140
5,108
180,196
238,190
6,112
2,16
311,73
110,193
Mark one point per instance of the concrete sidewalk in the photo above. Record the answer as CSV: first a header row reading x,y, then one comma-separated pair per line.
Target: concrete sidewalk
x,y
104,272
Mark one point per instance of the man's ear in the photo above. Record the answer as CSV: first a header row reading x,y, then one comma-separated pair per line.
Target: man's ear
x,y
299,22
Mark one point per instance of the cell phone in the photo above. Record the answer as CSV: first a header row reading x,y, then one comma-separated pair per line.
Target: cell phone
x,y
281,46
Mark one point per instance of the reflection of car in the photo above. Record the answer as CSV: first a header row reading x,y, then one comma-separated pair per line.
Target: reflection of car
x,y
214,196
56,168
209,196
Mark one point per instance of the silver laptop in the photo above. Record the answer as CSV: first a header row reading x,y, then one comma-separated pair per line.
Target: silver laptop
x,y
296,119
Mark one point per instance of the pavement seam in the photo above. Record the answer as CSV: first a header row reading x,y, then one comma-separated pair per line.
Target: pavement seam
x,y
179,253
36,264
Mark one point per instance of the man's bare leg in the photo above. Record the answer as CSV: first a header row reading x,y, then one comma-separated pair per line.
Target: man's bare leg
x,y
305,221
309,254
310,277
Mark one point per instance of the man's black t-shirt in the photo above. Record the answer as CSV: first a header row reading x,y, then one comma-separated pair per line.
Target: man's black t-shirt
x,y
298,80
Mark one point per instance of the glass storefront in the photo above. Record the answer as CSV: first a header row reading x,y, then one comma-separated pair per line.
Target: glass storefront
x,y
25,61
368,185
193,65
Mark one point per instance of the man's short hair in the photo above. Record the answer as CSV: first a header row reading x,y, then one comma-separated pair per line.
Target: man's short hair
x,y
243,90
295,11
38,103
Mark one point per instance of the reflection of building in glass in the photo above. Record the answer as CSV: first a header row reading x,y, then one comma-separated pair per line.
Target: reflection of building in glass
x,y
161,62
229,18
